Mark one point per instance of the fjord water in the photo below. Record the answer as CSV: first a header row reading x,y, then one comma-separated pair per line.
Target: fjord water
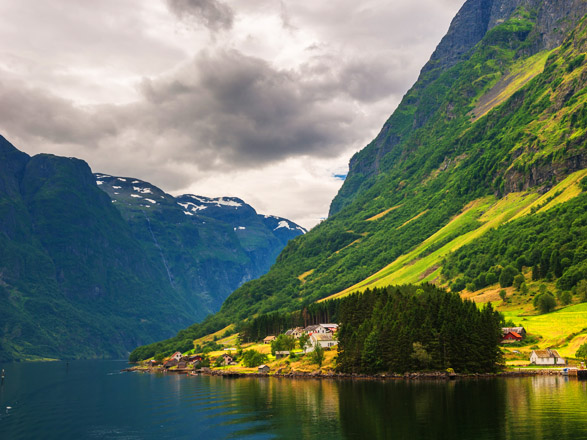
x,y
93,400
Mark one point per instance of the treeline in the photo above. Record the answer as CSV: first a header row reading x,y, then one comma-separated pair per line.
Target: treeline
x,y
412,328
250,330
275,323
553,244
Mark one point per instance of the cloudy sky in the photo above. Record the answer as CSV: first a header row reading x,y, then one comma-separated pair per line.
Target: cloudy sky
x,y
266,100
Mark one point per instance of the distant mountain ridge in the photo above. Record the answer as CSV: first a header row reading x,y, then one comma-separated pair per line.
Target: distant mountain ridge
x,y
83,276
208,246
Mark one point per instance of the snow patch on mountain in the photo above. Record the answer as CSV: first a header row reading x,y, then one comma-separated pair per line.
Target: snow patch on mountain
x,y
240,228
142,190
189,206
99,182
136,196
151,201
121,179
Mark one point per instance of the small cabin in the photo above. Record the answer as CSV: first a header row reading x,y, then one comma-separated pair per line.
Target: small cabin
x,y
281,354
227,359
325,340
511,337
519,330
264,369
546,357
269,339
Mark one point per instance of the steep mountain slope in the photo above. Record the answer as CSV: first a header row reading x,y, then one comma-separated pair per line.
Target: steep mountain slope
x,y
496,120
208,247
79,280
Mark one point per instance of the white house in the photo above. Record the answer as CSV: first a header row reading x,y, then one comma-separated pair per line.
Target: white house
x,y
175,356
330,327
546,357
325,340
318,328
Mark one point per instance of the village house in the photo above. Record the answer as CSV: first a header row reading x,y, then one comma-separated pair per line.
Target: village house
x,y
332,328
281,354
195,359
269,339
263,369
175,356
226,359
182,364
546,357
511,337
295,332
324,340
170,363
312,329
519,330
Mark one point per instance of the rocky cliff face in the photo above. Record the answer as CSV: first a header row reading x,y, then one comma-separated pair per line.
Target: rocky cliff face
x,y
553,21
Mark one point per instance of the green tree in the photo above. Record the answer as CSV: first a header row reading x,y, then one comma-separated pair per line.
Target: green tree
x,y
582,352
506,278
544,302
502,295
420,355
303,341
283,343
317,356
581,290
566,298
518,281
252,358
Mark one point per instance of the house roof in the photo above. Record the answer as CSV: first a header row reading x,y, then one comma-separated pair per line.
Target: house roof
x,y
282,352
263,366
506,330
322,337
270,338
516,334
329,325
548,353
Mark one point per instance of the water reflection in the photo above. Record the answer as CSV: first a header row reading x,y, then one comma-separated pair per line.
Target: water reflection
x,y
93,401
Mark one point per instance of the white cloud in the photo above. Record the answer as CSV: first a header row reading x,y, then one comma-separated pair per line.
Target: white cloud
x,y
263,100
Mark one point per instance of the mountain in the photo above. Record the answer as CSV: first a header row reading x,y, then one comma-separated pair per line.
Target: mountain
x,y
81,276
492,134
207,246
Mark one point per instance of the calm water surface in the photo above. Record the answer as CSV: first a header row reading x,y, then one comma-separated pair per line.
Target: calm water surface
x,y
92,400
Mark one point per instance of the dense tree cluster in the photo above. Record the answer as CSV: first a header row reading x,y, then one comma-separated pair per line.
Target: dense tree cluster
x,y
275,323
408,328
552,243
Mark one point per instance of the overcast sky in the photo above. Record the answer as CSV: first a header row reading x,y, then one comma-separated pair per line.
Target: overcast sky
x,y
265,100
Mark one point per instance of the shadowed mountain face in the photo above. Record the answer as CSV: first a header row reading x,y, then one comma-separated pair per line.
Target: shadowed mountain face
x,y
82,275
207,247
493,133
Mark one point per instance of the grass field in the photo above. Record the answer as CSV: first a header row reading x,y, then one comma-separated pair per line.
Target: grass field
x,y
489,212
554,328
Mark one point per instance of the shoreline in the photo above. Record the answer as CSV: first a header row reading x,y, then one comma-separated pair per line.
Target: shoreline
x,y
438,375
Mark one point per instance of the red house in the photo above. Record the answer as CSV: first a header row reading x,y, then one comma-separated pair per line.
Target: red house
x,y
511,336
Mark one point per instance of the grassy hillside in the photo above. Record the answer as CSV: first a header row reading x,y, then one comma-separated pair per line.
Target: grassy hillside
x,y
497,136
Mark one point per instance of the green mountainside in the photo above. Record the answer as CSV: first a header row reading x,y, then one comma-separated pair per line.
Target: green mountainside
x,y
493,133
78,279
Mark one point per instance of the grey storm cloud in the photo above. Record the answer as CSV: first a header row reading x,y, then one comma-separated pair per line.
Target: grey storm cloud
x,y
211,13
224,110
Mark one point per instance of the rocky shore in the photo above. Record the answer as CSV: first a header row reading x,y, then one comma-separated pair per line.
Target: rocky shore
x,y
318,374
